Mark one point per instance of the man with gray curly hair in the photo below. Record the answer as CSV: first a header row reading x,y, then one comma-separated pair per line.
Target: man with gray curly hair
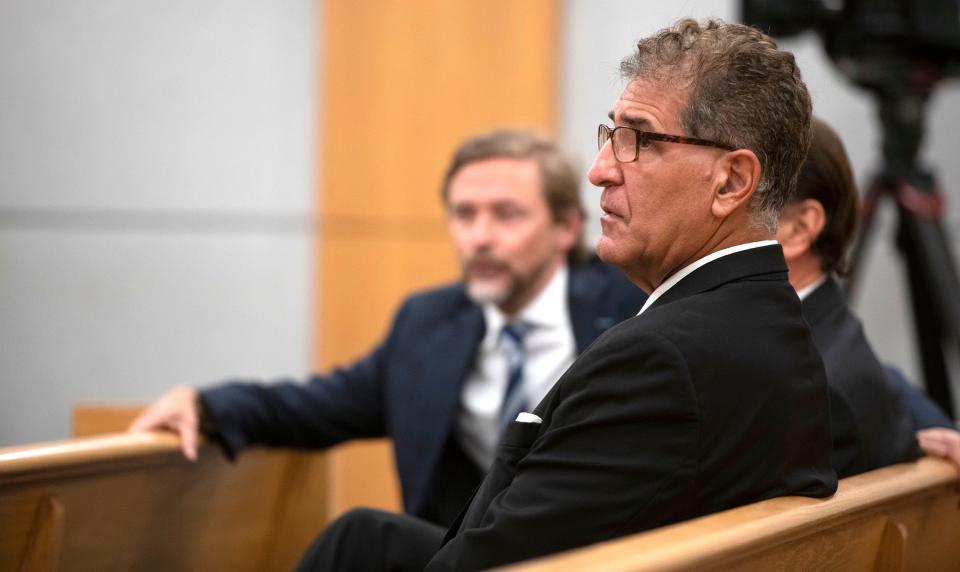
x,y
714,395
730,97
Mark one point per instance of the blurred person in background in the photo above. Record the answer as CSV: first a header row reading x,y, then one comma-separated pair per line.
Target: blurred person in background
x,y
875,413
458,361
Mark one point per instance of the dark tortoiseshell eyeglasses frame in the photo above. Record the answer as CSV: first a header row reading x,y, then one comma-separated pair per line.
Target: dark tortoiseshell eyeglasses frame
x,y
643,139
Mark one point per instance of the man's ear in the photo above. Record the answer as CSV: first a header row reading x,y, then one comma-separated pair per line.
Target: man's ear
x,y
800,225
737,179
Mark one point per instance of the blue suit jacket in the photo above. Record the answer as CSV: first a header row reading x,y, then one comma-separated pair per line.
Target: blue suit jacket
x,y
408,387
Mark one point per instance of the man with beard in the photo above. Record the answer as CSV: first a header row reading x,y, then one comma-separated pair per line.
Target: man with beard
x,y
460,360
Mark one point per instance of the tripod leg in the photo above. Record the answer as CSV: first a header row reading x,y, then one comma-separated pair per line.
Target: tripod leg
x,y
930,311
868,210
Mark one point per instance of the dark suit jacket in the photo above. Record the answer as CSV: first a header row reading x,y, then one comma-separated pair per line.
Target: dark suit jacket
x,y
713,398
408,388
871,423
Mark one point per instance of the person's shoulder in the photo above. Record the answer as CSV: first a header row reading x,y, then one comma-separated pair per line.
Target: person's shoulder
x,y
423,313
438,300
598,277
735,305
633,337
596,269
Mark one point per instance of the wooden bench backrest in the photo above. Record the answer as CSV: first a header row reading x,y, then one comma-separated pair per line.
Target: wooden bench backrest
x,y
904,517
358,473
131,502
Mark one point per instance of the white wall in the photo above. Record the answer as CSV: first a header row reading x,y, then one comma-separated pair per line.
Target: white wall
x,y
599,34
156,187
156,182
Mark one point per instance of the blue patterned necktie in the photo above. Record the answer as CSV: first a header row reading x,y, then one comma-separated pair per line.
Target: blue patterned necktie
x,y
514,398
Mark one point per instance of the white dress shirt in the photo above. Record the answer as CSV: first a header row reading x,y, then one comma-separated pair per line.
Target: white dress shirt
x,y
688,269
550,348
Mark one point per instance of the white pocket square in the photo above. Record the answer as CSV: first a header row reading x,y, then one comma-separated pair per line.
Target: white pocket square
x,y
525,417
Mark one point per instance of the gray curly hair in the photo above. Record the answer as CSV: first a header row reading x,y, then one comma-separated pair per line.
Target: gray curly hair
x,y
742,90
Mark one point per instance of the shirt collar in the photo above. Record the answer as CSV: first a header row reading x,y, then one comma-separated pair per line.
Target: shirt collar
x,y
807,290
546,310
688,269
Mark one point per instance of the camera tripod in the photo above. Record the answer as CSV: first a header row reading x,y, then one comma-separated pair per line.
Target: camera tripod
x,y
923,244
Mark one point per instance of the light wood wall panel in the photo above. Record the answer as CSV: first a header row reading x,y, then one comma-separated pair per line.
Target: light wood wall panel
x,y
403,83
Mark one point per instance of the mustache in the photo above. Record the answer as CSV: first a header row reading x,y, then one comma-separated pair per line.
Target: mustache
x,y
483,259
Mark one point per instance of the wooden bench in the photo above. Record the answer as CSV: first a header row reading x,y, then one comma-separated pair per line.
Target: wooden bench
x,y
119,502
900,518
359,473
131,502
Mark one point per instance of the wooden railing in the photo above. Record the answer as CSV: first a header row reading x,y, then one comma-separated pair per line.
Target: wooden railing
x,y
904,518
131,502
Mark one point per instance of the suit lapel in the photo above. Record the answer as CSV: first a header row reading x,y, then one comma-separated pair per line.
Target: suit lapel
x,y
452,350
756,262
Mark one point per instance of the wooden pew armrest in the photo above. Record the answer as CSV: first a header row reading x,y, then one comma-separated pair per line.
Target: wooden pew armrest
x,y
729,538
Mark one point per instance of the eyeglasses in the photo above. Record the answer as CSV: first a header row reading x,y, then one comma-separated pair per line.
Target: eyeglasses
x,y
628,141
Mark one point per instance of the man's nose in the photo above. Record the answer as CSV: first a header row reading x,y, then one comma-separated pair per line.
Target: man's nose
x,y
482,232
605,171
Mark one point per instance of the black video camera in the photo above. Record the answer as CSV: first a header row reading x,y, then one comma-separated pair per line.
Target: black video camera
x,y
897,49
856,32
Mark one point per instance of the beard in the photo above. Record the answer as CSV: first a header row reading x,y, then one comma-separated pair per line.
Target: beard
x,y
492,280
489,280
